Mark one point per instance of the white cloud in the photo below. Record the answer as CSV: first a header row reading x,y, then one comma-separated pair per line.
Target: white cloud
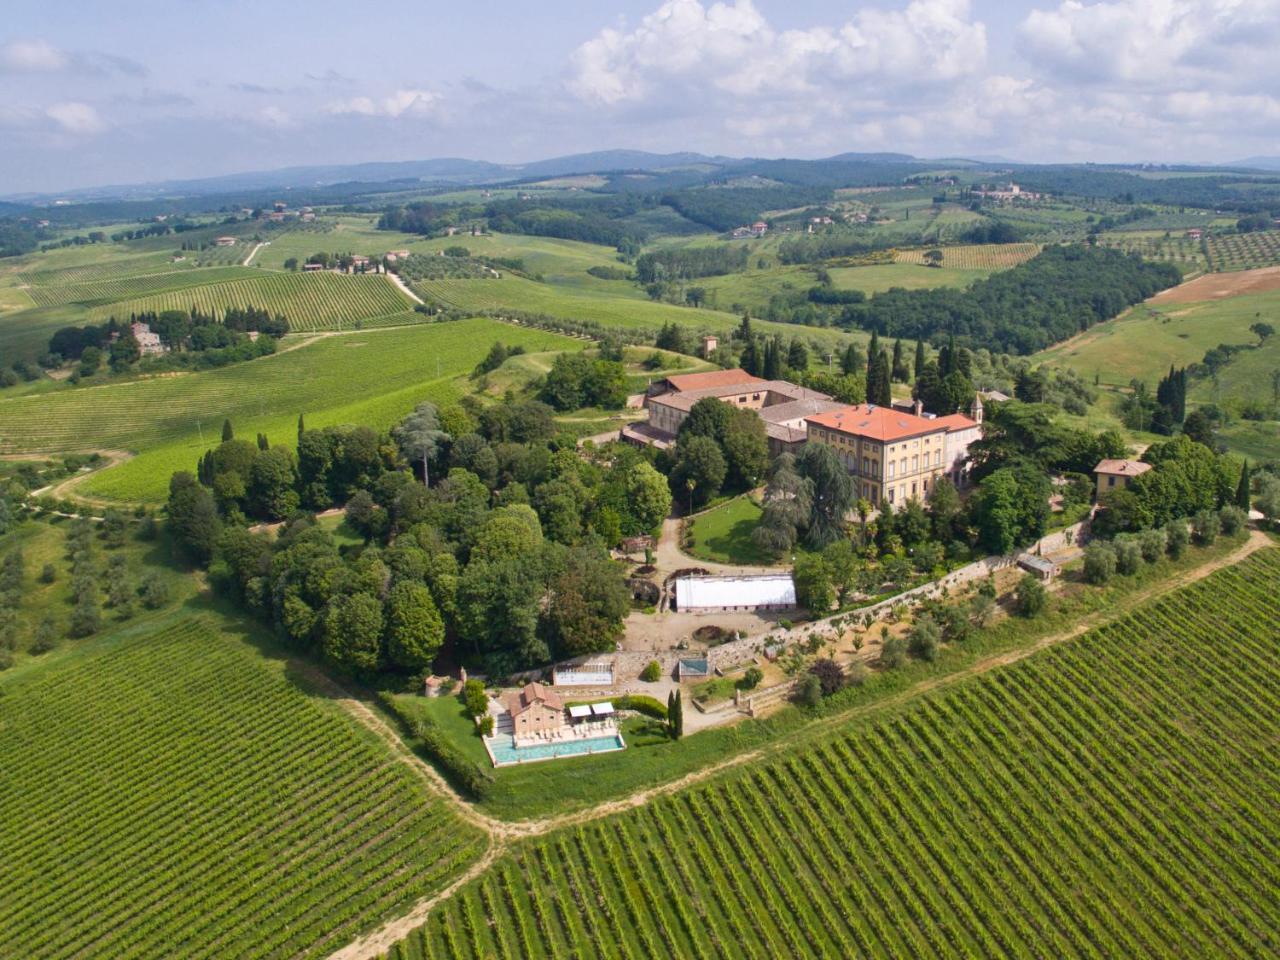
x,y
40,56
731,48
32,56
1154,43
76,117
414,103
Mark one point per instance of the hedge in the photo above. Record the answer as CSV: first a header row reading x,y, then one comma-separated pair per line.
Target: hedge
x,y
455,764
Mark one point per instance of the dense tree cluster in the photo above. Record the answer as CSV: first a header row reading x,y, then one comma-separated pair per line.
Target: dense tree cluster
x,y
193,339
719,448
576,380
1187,478
724,208
501,555
1049,298
687,263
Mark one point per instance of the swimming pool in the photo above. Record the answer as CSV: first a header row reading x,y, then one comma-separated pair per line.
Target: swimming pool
x,y
504,754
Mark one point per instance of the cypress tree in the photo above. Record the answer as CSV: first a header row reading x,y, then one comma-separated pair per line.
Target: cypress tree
x,y
262,441
302,427
773,359
1242,491
920,360
744,328
873,350
750,360
852,361
227,432
677,718
879,387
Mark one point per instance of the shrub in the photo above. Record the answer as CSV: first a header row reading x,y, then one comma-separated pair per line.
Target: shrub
x,y
1231,519
829,673
1128,556
486,725
1205,527
1152,543
982,607
751,678
924,638
953,622
86,618
638,702
154,590
46,637
651,672
809,691
856,675
6,658
1099,562
1030,596
893,653
474,698
1175,535
48,573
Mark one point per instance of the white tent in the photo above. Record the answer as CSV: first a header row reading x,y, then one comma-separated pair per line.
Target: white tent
x,y
775,591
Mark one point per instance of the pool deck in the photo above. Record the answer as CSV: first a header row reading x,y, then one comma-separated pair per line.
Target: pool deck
x,y
584,740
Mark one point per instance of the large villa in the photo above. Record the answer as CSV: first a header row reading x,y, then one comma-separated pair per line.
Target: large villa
x,y
895,453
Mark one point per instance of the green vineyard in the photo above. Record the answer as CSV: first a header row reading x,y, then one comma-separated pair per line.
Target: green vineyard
x,y
1183,251
320,301
126,287
1115,796
175,794
981,256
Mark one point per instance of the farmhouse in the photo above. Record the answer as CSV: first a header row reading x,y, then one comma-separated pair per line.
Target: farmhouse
x,y
148,342
783,406
701,594
225,241
534,709
895,456
1116,474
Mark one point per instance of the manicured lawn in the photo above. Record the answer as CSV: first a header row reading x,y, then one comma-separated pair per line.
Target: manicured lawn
x,y
723,534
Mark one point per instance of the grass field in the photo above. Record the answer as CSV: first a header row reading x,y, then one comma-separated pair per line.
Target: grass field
x,y
607,308
317,301
372,378
879,277
1143,341
172,791
1111,797
723,534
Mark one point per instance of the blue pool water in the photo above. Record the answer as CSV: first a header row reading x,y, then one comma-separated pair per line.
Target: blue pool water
x,y
504,754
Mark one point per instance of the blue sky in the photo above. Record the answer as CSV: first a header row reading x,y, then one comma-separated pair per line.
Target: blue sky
x,y
94,93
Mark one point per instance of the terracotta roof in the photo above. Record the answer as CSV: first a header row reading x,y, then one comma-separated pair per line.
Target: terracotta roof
x,y
520,701
681,382
878,423
955,421
1122,468
781,391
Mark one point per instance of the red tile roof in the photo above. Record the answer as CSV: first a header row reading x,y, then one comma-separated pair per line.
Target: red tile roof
x,y
878,423
1122,468
519,702
712,378
955,421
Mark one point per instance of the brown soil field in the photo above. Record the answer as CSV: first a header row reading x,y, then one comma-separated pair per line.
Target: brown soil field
x,y
1215,286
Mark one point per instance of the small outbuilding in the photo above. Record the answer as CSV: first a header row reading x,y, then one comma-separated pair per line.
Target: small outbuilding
x,y
1041,567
